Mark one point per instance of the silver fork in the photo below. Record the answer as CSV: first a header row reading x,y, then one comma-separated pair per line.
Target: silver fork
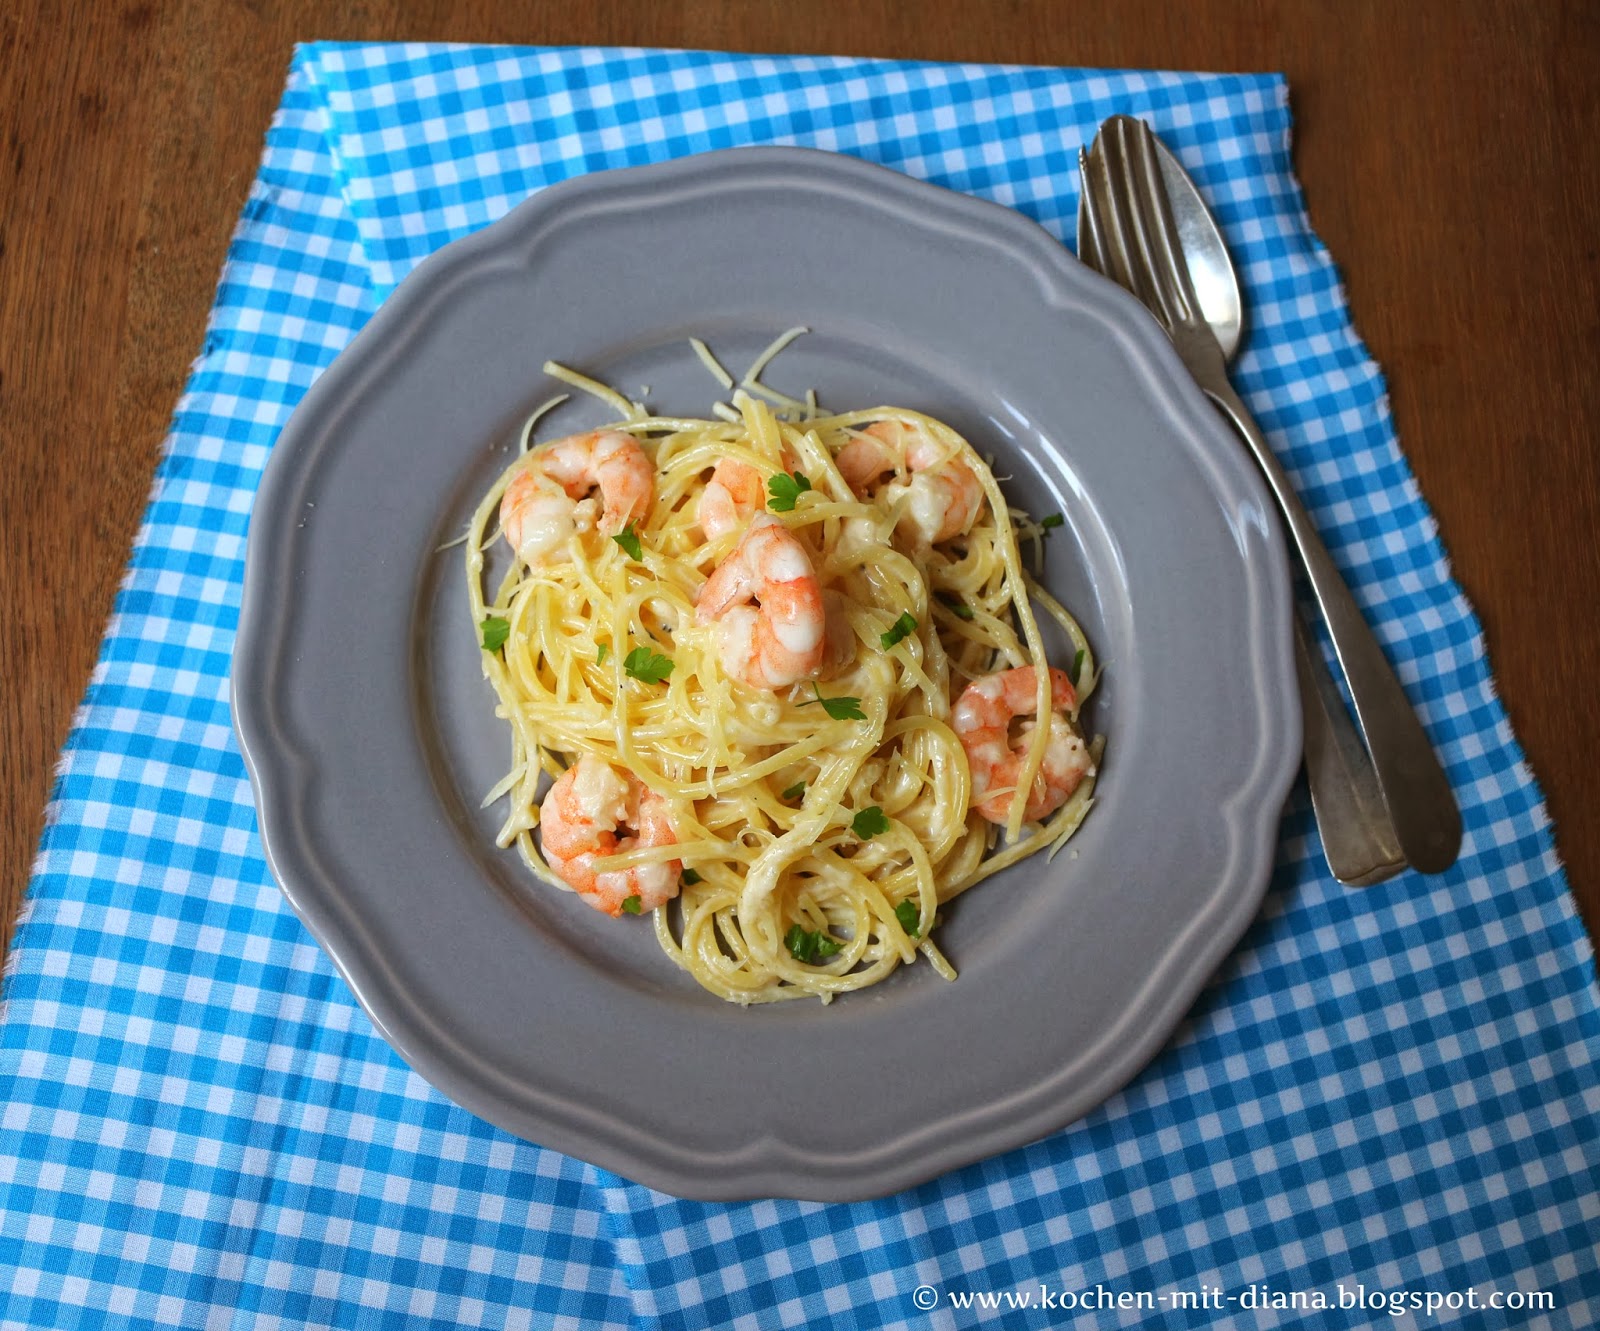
x,y
1358,839
1137,245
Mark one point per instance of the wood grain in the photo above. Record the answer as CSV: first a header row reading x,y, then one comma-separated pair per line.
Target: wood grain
x,y
1447,150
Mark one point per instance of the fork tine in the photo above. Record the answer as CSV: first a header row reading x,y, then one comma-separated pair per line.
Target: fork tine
x,y
1107,251
1158,228
1110,215
1091,247
1126,223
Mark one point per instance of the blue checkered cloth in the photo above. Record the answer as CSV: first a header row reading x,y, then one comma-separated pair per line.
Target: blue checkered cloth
x,y
1385,1096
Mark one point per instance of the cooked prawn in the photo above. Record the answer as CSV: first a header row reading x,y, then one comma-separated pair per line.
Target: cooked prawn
x,y
581,816
780,640
944,493
541,507
982,719
734,494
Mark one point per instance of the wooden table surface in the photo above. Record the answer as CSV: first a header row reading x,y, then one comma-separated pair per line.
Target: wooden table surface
x,y
1447,149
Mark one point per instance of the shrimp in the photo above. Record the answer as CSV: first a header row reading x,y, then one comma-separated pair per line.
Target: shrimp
x,y
580,818
945,495
982,719
540,509
734,493
537,518
783,638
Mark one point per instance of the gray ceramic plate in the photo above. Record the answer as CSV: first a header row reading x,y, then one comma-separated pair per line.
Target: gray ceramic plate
x,y
370,737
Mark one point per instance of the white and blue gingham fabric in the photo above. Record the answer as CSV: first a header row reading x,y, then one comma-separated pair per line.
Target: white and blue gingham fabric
x,y
1386,1097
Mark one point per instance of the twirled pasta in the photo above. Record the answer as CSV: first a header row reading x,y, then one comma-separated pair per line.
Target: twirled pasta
x,y
771,793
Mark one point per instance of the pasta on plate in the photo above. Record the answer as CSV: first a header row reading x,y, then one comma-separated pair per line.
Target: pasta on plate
x,y
776,679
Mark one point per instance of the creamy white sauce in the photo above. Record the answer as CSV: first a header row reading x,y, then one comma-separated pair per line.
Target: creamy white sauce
x,y
924,505
600,793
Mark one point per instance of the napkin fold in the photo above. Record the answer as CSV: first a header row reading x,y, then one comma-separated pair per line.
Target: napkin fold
x,y
1386,1097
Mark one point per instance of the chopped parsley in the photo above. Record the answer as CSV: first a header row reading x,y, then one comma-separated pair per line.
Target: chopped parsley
x,y
957,607
632,905
1077,667
628,539
901,629
689,878
796,791
495,632
602,653
810,945
910,918
843,708
784,488
647,666
870,822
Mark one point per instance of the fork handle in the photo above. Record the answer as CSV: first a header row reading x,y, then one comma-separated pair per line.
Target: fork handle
x,y
1357,837
1414,788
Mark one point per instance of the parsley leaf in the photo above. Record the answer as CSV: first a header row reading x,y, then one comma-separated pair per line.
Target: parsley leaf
x,y
809,945
796,791
688,878
910,918
495,632
1077,667
631,905
902,628
870,822
784,488
628,539
843,708
600,656
647,666
957,607
1051,520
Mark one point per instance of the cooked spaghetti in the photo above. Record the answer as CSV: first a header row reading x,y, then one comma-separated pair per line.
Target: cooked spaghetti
x,y
776,679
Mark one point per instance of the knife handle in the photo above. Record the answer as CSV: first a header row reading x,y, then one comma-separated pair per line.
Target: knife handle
x,y
1411,782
